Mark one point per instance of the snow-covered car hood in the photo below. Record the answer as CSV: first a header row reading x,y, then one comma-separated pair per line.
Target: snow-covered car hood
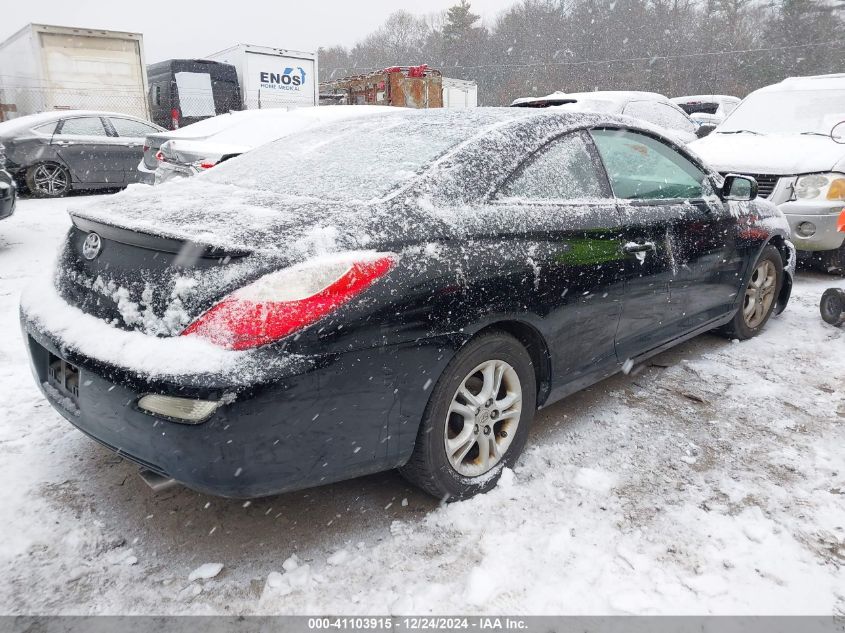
x,y
770,154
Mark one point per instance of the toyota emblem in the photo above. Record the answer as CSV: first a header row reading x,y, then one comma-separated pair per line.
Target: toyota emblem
x,y
92,246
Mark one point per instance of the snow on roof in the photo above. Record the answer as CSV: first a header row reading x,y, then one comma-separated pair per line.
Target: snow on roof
x,y
33,120
705,99
813,82
251,128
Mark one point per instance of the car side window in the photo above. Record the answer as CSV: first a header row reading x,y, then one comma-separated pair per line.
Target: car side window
x,y
130,128
643,168
563,170
46,129
659,114
84,126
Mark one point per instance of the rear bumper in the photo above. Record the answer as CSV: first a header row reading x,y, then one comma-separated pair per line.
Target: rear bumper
x,y
325,420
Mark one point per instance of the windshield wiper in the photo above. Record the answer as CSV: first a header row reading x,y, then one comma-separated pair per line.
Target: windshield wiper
x,y
738,132
815,134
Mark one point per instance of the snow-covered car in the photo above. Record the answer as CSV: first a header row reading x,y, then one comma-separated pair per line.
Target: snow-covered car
x,y
194,148
400,290
53,153
707,110
781,134
646,106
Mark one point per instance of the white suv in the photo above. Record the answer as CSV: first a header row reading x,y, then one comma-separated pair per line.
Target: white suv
x,y
781,135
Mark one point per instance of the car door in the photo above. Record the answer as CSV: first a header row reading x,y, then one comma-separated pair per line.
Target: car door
x,y
130,134
679,241
565,198
91,155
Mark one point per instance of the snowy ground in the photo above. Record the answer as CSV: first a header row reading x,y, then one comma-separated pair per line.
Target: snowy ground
x,y
712,481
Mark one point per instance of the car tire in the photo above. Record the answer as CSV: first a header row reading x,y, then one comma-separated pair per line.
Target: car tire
x,y
832,306
467,436
760,297
48,180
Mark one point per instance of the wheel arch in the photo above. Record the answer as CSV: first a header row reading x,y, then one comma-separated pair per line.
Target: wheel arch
x,y
787,255
535,343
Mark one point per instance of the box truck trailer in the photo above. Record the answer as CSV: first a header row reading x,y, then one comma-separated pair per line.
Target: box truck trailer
x,y
46,68
272,77
184,91
459,93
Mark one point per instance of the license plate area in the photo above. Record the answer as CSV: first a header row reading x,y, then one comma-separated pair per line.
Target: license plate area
x,y
63,376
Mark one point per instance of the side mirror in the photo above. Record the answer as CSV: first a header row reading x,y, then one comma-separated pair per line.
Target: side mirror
x,y
838,133
741,188
704,129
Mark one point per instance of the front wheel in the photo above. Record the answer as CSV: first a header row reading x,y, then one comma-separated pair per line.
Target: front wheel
x,y
759,296
477,419
48,180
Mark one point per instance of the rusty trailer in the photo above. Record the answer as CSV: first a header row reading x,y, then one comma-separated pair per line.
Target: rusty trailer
x,y
400,86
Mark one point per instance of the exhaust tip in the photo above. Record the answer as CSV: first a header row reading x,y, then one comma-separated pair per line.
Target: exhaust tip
x,y
157,482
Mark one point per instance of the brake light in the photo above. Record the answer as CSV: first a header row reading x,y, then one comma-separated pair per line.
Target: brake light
x,y
159,156
207,165
174,118
288,300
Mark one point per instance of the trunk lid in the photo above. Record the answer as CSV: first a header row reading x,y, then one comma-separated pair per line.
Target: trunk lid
x,y
140,281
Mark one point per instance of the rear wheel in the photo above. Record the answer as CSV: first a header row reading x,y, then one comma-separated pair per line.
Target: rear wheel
x,y
832,306
759,298
48,180
477,419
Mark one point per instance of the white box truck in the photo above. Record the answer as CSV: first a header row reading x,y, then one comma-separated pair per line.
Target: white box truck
x,y
273,77
46,68
458,93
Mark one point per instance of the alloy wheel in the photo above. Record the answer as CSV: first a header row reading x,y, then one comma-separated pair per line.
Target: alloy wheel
x,y
483,417
50,180
760,294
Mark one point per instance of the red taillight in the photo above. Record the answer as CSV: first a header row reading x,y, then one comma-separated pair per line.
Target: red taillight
x,y
174,118
159,156
146,148
207,165
249,318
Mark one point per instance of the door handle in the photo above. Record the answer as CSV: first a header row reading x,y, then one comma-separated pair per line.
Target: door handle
x,y
64,143
634,247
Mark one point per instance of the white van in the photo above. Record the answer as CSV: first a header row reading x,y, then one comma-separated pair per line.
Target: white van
x,y
781,135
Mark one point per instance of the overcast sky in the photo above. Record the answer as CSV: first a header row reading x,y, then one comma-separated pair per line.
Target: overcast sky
x,y
195,28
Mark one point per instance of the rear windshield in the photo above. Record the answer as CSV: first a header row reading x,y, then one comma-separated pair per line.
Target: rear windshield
x,y
788,112
359,160
700,108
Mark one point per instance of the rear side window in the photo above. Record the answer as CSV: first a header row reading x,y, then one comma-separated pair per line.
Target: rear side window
x,y
563,170
47,129
130,128
85,126
643,168
659,114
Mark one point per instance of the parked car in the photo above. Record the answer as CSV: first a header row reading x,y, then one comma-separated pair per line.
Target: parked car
x,y
195,148
707,110
401,290
647,106
782,135
54,153
8,192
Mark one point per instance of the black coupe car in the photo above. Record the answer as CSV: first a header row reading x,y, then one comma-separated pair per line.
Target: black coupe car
x,y
399,291
53,153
